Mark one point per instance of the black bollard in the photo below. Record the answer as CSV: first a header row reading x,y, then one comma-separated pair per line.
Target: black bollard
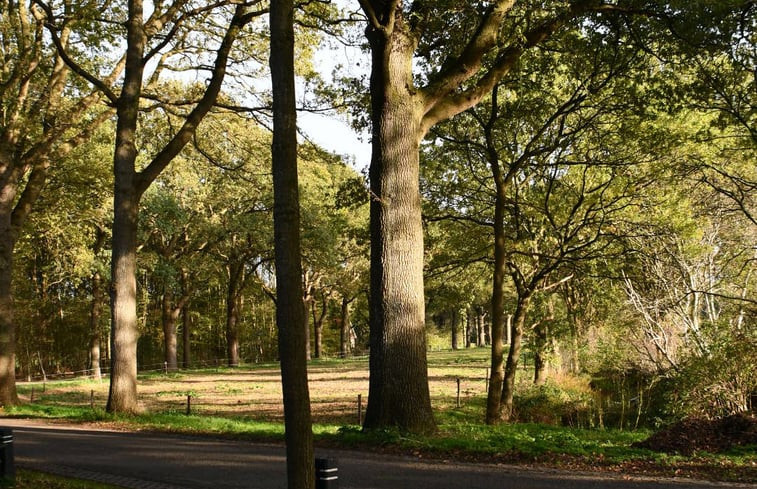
x,y
326,473
7,467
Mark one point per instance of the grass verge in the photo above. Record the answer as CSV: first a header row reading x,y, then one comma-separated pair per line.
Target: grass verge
x,y
519,443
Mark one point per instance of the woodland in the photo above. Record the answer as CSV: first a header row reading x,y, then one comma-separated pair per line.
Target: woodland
x,y
567,183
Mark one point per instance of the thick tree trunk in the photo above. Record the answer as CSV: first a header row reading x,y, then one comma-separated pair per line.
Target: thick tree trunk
x,y
98,297
344,333
122,396
398,389
291,316
508,388
8,394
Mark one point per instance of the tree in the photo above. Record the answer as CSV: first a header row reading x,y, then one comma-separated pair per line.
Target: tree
x,y
290,310
144,41
35,102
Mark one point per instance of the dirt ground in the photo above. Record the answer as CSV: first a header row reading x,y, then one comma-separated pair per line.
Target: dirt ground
x,y
336,390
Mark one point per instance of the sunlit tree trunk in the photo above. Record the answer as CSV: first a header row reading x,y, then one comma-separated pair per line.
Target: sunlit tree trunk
x,y
398,388
513,356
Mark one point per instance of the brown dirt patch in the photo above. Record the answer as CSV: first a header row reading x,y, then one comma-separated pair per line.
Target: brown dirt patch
x,y
710,435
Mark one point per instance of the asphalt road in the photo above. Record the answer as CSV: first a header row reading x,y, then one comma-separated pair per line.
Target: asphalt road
x,y
157,461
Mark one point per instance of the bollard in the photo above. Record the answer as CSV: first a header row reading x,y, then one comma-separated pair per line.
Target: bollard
x,y
326,473
189,405
92,399
7,467
32,398
458,392
165,368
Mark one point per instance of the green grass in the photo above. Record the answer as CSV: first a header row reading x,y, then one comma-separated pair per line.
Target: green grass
x,y
29,479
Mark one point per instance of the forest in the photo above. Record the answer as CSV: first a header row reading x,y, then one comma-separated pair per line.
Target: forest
x,y
567,184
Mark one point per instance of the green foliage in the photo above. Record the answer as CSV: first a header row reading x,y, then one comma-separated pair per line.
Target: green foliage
x,y
555,405
719,384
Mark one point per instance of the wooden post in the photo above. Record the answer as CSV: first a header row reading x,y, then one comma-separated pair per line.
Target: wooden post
x,y
189,404
360,410
486,382
32,399
458,392
92,399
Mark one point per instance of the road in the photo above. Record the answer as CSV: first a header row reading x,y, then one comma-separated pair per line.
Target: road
x,y
160,461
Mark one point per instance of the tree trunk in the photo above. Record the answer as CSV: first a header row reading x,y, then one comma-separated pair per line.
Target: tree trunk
x,y
497,374
122,396
98,297
8,394
170,341
233,302
481,327
291,316
344,334
455,326
540,352
513,356
467,328
186,338
398,388
318,326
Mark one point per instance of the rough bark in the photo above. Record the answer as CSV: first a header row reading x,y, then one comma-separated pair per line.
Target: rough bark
x,y
398,387
291,317
508,387
8,394
123,378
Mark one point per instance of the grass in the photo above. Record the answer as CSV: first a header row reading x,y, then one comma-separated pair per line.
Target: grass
x,y
29,479
246,403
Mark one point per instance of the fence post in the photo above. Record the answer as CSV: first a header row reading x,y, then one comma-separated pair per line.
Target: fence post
x,y
32,399
458,392
92,399
189,404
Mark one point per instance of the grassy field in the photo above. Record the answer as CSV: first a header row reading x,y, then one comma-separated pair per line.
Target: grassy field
x,y
245,402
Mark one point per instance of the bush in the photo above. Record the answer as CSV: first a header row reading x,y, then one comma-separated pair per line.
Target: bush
x,y
552,404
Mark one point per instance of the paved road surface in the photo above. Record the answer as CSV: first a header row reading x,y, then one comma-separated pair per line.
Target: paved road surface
x,y
152,461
